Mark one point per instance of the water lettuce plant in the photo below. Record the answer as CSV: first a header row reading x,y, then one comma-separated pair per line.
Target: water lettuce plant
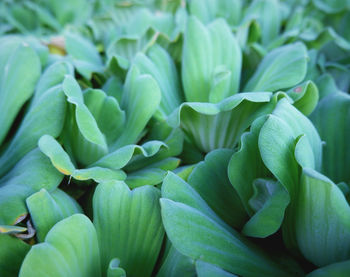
x,y
174,138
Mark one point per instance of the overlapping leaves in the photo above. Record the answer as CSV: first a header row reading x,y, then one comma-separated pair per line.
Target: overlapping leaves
x,y
199,138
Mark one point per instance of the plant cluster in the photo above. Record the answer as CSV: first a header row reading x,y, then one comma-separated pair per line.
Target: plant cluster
x,y
174,138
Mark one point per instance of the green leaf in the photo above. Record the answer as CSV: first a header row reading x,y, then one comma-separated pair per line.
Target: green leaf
x,y
141,98
98,174
196,235
153,174
331,118
326,85
318,39
45,17
209,178
283,67
176,264
52,76
85,56
268,15
303,152
105,109
59,158
211,126
62,162
248,154
331,7
18,63
176,189
122,156
105,169
161,67
208,10
305,97
147,176
12,253
32,173
340,269
276,144
70,249
122,51
76,12
184,171
300,124
86,122
207,51
269,201
110,120
322,222
204,269
173,145
45,116
46,209
196,231
247,35
114,270
128,225
277,140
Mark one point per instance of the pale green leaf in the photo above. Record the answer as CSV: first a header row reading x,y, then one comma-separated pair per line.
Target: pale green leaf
x,y
85,56
207,50
70,249
32,173
46,209
18,63
209,178
128,225
45,116
210,126
283,67
204,269
331,118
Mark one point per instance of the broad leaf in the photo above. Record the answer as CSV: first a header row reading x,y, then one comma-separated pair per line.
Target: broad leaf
x,y
211,126
283,67
340,269
322,222
196,231
175,264
305,97
269,201
198,236
18,63
46,209
84,119
141,98
85,56
32,173
208,270
12,253
241,178
208,10
331,118
70,249
210,51
209,178
268,15
62,162
161,67
129,226
51,77
45,116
